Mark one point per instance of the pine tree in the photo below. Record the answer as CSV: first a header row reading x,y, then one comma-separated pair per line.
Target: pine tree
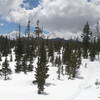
x,y
62,70
76,63
24,64
11,59
59,68
66,58
73,64
92,52
30,66
38,30
56,61
30,54
66,54
6,47
0,57
5,69
86,36
51,53
42,69
19,51
18,67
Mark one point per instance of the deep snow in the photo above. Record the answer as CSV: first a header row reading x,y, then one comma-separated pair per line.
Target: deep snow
x,y
20,86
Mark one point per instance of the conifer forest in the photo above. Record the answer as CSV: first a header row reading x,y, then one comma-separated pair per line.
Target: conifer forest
x,y
34,66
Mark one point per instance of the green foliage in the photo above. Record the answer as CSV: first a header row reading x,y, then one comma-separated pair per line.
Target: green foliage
x,y
0,57
24,64
30,67
73,64
72,60
51,52
42,69
5,71
59,63
11,59
86,36
92,51
18,66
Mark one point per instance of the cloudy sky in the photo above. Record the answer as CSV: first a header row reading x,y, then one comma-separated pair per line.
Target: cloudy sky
x,y
59,16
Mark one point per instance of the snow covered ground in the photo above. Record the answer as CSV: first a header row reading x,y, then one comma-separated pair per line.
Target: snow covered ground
x,y
20,86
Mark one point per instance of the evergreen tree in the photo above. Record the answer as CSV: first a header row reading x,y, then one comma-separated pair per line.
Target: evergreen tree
x,y
66,58
0,57
42,69
62,70
30,54
6,47
56,61
19,51
30,66
92,52
24,64
5,71
66,54
11,59
51,53
73,64
86,36
18,67
59,68
38,30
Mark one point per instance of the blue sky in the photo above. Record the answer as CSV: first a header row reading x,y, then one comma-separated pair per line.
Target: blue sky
x,y
6,26
29,4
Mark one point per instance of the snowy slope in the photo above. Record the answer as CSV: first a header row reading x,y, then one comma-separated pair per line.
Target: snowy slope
x,y
20,86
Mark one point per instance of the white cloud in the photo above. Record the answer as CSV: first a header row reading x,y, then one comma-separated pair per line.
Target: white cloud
x,y
61,16
8,5
68,15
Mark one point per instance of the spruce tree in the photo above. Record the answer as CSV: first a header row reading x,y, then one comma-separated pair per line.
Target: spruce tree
x,y
30,56
51,53
73,64
0,57
66,54
24,64
6,47
66,58
56,61
42,69
92,53
86,36
11,59
5,71
18,67
59,67
62,70
19,51
30,66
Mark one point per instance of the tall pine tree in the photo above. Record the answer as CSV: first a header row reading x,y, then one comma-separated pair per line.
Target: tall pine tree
x,y
42,69
5,71
86,36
